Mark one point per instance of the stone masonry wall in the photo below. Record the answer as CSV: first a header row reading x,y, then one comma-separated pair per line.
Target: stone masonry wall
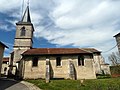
x,y
82,72
118,42
1,56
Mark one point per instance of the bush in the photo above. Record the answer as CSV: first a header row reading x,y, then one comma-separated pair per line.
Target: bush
x,y
115,71
103,76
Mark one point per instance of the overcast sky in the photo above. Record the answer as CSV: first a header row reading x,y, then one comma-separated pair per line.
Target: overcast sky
x,y
64,23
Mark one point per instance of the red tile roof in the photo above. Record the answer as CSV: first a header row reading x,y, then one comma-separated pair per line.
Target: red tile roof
x,y
54,51
5,59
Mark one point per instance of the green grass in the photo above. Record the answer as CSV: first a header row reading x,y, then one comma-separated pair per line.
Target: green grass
x,y
98,84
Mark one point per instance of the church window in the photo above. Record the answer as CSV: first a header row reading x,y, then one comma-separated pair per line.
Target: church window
x,y
80,61
58,61
23,31
35,62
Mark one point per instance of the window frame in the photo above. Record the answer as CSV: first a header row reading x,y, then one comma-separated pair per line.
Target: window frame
x,y
35,62
58,61
81,61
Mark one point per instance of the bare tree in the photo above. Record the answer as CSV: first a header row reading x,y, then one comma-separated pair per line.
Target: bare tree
x,y
114,57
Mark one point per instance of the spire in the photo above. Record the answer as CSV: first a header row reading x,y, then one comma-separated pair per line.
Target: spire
x,y
26,16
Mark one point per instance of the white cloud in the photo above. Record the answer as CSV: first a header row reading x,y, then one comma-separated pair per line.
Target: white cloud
x,y
81,23
6,28
36,19
100,14
9,6
85,24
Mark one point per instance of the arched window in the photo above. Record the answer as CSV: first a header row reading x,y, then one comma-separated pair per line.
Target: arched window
x,y
23,31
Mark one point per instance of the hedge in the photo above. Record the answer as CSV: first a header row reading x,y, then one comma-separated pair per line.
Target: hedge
x,y
115,71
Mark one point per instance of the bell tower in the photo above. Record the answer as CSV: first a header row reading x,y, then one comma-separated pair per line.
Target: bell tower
x,y
24,34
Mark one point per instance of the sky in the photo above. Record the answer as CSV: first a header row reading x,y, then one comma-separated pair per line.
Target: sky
x,y
64,23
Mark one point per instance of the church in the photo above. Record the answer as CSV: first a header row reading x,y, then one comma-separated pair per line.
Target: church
x,y
27,62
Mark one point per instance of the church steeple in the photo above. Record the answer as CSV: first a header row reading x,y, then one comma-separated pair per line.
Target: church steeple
x,y
24,35
26,16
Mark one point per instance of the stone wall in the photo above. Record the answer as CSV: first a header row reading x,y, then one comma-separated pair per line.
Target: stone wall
x,y
17,53
22,43
1,56
97,63
34,72
87,71
105,69
118,42
5,65
81,72
29,31
100,66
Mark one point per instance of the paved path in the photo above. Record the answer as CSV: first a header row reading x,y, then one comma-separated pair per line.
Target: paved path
x,y
10,84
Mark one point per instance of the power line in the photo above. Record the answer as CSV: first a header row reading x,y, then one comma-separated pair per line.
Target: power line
x,y
110,49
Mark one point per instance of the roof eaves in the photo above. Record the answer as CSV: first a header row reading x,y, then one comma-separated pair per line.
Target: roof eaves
x,y
91,50
116,35
3,44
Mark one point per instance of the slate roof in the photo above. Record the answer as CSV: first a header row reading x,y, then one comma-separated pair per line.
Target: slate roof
x,y
55,51
26,20
26,16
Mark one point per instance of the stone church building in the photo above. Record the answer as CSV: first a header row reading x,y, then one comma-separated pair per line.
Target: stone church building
x,y
69,63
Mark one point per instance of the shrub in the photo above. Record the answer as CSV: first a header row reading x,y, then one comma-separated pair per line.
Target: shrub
x,y
102,76
115,71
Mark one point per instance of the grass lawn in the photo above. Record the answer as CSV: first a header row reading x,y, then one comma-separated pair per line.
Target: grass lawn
x,y
97,84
